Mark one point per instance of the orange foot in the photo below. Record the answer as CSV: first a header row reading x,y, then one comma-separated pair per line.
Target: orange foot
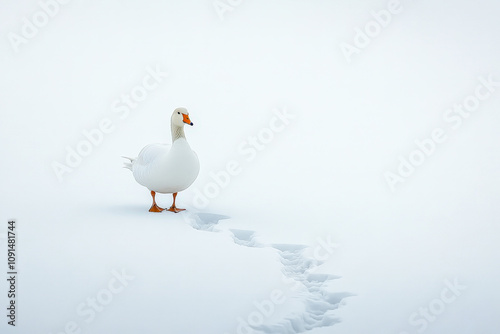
x,y
174,209
155,208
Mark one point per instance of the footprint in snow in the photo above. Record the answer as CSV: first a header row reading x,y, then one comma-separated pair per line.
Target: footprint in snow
x,y
245,238
204,221
309,288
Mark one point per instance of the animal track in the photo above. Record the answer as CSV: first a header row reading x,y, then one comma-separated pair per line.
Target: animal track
x,y
244,238
310,289
204,221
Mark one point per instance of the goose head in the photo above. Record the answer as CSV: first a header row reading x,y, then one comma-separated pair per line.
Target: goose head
x,y
180,117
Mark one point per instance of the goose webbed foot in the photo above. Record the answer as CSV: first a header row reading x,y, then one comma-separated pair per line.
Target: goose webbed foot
x,y
155,207
174,209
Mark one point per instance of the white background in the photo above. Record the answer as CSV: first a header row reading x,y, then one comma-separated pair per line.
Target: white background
x,y
322,176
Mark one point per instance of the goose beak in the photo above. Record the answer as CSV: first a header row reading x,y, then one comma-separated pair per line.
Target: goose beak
x,y
186,119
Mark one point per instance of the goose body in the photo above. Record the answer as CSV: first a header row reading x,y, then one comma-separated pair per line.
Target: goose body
x,y
167,169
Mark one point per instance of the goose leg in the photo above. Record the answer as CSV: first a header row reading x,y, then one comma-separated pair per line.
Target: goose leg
x,y
154,207
173,208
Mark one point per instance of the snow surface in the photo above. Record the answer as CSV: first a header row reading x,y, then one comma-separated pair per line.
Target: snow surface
x,y
305,236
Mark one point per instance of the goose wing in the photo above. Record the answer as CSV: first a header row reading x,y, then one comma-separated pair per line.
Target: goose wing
x,y
150,153
145,166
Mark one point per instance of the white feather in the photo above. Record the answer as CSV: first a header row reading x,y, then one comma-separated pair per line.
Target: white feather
x,y
163,168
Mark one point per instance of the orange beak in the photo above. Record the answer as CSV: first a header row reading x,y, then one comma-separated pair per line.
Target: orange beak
x,y
185,119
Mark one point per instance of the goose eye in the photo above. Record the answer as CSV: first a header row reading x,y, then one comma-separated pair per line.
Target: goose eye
x,y
178,112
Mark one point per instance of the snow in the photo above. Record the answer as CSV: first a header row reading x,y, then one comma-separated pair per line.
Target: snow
x,y
291,225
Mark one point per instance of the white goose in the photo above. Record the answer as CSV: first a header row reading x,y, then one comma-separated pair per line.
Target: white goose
x,y
167,171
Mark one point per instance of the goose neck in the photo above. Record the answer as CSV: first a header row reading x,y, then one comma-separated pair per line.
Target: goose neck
x,y
177,132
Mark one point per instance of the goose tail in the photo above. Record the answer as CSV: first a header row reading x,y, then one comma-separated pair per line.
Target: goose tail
x,y
128,165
